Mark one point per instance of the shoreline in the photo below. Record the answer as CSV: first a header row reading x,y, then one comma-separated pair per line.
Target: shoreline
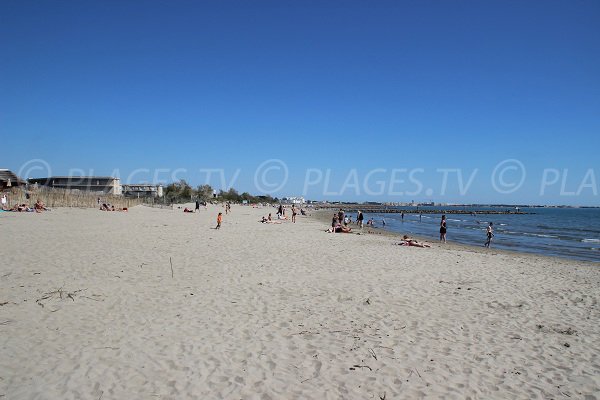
x,y
326,219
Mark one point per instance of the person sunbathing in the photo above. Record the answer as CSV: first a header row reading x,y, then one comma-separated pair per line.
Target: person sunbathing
x,y
187,210
269,220
339,229
40,206
408,241
22,208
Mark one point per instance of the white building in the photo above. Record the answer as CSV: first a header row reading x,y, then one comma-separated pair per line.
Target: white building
x,y
294,200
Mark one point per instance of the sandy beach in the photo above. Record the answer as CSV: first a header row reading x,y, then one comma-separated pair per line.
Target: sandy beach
x,y
155,304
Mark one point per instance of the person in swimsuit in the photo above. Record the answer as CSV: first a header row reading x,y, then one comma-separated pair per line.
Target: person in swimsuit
x,y
490,235
408,241
443,229
294,213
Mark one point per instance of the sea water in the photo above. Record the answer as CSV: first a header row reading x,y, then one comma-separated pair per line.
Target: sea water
x,y
563,232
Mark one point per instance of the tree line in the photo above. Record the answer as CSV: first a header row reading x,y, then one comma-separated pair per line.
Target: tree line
x,y
179,192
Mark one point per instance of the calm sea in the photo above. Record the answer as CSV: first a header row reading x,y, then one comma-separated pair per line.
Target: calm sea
x,y
563,232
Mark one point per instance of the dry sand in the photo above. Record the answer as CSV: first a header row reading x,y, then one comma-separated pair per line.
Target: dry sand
x,y
91,309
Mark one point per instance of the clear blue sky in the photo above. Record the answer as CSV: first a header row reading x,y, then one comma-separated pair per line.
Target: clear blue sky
x,y
111,87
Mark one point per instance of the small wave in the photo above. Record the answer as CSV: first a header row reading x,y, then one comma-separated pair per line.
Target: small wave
x,y
590,240
541,235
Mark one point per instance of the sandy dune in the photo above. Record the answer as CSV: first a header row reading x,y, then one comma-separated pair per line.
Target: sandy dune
x,y
91,309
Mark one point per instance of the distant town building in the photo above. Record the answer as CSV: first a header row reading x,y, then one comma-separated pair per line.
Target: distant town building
x,y
8,179
95,184
293,200
142,190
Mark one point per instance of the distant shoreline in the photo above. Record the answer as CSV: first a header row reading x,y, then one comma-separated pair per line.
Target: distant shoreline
x,y
324,215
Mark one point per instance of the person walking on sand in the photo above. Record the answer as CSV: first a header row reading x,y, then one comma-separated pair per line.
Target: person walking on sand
x,y
197,205
490,235
219,220
294,213
443,229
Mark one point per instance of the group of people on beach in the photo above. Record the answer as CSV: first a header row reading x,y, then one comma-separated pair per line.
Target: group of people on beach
x,y
340,222
38,207
111,207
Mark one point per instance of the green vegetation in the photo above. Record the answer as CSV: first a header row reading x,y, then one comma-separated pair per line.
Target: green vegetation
x,y
181,192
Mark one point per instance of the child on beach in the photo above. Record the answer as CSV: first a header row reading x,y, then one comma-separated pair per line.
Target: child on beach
x,y
219,220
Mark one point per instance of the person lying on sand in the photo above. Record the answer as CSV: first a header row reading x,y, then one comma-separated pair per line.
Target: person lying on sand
x,y
408,241
339,229
22,208
187,210
272,222
269,221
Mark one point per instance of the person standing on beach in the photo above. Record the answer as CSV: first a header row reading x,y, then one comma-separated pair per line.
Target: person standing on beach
x,y
197,205
490,235
443,229
341,216
359,219
294,213
219,220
